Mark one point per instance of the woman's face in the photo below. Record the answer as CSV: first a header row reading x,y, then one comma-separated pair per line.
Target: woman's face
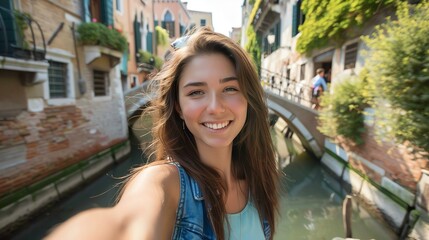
x,y
211,102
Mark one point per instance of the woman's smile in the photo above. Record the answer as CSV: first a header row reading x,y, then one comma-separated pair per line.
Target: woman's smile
x,y
218,125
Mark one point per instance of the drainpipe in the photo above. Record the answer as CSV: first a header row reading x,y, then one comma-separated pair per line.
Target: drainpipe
x,y
81,82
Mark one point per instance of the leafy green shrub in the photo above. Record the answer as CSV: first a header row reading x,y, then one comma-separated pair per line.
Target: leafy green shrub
x,y
98,34
161,36
342,111
146,56
21,19
398,73
328,20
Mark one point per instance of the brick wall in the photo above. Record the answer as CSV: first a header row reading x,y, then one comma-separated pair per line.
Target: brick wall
x,y
54,139
399,164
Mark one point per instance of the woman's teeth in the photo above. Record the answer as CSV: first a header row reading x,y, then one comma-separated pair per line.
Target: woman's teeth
x,y
216,126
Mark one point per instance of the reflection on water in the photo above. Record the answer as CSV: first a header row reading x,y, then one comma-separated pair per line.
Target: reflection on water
x,y
310,207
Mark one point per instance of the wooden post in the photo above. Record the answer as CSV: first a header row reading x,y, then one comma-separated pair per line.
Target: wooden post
x,y
347,214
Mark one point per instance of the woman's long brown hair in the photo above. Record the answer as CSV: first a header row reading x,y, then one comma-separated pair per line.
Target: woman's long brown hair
x,y
253,154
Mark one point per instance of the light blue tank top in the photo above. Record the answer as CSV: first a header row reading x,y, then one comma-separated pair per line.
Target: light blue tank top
x,y
192,222
245,224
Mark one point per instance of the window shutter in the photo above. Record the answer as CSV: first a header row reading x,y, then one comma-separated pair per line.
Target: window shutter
x,y
149,46
173,29
137,35
295,16
278,34
9,31
182,29
107,12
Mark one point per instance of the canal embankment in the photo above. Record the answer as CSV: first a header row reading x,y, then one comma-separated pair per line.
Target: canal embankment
x,y
404,211
20,205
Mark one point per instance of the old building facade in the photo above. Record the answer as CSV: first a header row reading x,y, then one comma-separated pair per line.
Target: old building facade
x,y
61,101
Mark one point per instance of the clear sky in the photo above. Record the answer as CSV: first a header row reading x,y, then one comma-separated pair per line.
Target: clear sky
x,y
225,13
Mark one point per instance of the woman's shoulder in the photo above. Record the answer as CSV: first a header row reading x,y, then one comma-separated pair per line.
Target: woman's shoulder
x,y
146,210
164,177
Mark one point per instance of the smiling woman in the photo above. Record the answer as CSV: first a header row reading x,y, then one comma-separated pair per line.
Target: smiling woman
x,y
214,175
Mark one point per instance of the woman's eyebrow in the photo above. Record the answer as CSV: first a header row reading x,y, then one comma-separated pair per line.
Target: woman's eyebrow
x,y
227,79
195,84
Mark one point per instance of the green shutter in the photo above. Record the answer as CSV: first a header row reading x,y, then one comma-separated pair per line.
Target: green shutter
x,y
182,29
295,16
278,35
156,23
137,35
10,37
149,46
107,12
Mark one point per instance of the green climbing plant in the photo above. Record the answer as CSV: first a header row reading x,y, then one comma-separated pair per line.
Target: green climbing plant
x,y
161,36
329,20
253,47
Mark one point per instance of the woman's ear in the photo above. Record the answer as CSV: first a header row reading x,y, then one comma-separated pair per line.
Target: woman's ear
x,y
179,111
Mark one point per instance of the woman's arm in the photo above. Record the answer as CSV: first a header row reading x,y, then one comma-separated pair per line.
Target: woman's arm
x,y
146,210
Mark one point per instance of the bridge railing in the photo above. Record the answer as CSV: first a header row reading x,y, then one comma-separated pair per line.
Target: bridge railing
x,y
296,91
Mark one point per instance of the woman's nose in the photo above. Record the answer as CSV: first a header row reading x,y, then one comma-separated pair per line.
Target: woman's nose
x,y
216,104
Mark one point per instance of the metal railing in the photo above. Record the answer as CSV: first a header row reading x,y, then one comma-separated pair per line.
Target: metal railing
x,y
15,28
296,91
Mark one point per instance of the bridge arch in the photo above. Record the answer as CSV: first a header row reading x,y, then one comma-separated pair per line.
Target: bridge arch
x,y
302,120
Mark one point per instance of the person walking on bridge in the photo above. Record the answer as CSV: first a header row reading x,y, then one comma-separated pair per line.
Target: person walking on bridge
x,y
319,86
214,174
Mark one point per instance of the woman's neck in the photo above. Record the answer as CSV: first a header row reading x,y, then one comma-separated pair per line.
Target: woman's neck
x,y
221,160
218,158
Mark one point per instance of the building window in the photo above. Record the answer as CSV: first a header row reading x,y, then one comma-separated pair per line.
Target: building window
x,y
350,55
168,24
119,5
101,83
202,22
57,73
302,72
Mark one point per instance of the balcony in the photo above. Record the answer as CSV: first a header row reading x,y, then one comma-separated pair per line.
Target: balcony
x,y
103,46
266,15
22,46
101,57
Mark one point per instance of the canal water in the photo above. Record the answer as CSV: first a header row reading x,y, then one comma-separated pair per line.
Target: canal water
x,y
310,207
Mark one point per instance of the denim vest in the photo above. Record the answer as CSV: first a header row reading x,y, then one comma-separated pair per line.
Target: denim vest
x,y
192,220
